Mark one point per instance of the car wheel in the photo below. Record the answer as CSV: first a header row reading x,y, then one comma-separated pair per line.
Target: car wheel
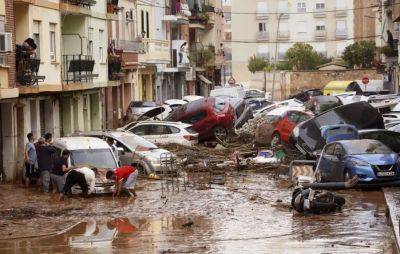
x,y
346,175
220,133
276,139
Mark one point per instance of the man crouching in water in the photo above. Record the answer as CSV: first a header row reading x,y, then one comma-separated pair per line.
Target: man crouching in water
x,y
85,177
125,178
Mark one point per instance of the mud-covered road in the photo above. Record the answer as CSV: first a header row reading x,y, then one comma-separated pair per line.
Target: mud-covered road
x,y
249,214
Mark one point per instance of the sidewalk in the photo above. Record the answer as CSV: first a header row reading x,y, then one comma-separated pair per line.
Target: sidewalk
x,y
392,197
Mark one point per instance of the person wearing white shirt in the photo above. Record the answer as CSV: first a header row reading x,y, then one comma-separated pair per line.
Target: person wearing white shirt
x,y
85,177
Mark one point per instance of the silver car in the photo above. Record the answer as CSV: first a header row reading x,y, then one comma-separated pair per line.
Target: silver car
x,y
133,149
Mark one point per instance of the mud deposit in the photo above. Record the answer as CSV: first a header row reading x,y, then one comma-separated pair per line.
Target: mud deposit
x,y
249,214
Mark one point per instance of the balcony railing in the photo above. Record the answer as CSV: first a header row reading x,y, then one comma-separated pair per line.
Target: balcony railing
x,y
283,35
320,13
27,68
341,34
320,34
78,68
114,68
131,46
262,36
178,8
112,6
83,3
340,12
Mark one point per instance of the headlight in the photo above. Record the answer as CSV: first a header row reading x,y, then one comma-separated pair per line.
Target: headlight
x,y
295,132
360,163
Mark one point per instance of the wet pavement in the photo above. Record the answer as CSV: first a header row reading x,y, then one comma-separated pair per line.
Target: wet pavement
x,y
249,214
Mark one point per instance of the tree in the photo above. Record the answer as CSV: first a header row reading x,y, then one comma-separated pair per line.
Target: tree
x,y
257,63
302,56
360,54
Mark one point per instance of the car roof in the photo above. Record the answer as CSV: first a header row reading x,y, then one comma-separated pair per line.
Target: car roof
x,y
80,143
174,101
283,110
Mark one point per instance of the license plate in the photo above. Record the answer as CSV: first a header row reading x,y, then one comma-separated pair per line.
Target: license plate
x,y
391,173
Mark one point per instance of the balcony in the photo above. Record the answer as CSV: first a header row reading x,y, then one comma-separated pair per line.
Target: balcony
x,y
320,34
114,68
178,13
131,46
27,69
202,18
77,6
78,69
341,34
340,12
320,13
283,35
202,56
157,51
262,14
262,36
129,60
112,7
179,59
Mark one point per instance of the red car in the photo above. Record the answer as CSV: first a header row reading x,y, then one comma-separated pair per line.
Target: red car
x,y
280,124
210,117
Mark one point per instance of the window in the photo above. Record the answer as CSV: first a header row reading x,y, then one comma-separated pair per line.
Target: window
x,y
159,130
2,29
282,6
142,22
341,28
320,26
194,118
174,130
263,51
142,130
147,25
301,7
52,42
101,36
320,6
36,36
262,27
339,151
301,27
90,42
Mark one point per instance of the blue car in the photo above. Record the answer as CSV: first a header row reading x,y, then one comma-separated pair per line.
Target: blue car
x,y
370,160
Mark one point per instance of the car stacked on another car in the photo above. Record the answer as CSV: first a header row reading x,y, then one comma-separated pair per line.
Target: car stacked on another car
x,y
138,108
210,117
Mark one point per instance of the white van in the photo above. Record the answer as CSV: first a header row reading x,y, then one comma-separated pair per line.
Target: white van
x,y
90,151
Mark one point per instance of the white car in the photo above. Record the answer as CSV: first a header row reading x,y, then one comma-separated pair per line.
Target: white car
x,y
190,98
174,103
289,103
162,132
89,151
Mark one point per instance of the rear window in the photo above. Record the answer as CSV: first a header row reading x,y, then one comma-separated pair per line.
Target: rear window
x,y
190,130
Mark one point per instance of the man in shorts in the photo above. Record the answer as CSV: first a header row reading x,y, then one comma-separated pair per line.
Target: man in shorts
x,y
125,179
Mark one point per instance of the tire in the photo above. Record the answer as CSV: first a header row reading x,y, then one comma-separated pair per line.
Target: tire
x,y
276,139
220,133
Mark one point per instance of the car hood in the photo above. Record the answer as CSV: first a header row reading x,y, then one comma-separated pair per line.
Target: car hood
x,y
151,113
377,159
360,114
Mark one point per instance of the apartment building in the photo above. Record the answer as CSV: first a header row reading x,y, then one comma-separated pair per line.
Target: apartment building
x,y
265,27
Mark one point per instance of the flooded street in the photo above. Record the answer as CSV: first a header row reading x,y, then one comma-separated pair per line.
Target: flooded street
x,y
249,214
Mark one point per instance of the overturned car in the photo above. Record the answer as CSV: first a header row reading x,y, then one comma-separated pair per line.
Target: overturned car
x,y
307,136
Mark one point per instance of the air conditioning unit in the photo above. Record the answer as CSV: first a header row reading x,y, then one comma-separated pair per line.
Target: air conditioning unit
x,y
129,15
5,42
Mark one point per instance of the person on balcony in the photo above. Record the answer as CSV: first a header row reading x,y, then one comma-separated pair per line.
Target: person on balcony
x,y
24,52
183,56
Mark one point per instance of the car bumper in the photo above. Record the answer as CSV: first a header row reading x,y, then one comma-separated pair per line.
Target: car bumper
x,y
379,183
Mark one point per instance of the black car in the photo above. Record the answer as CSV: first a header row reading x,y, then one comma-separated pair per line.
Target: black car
x,y
306,95
390,138
322,103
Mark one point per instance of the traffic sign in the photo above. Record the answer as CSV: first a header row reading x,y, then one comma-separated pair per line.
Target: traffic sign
x,y
365,80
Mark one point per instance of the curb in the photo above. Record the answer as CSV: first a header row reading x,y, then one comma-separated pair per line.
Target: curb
x,y
394,212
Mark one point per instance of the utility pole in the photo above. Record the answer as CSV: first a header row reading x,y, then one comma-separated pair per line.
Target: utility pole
x,y
276,57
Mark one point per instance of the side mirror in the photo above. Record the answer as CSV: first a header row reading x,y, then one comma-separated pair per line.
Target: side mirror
x,y
120,151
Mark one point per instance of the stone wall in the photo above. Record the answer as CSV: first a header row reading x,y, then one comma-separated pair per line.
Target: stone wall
x,y
288,82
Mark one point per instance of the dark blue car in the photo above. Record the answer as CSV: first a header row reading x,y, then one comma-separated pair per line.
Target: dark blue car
x,y
370,160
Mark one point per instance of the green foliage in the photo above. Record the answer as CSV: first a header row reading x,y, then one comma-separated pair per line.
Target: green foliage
x,y
257,63
360,54
283,66
205,56
302,56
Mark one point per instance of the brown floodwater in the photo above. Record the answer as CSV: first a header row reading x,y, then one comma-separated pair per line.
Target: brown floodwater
x,y
249,214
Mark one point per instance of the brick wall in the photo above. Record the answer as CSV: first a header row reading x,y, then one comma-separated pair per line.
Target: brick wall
x,y
9,28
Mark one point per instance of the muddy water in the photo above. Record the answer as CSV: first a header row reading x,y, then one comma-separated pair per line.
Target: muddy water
x,y
250,214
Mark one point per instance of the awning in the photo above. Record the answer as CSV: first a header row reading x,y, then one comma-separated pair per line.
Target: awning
x,y
204,79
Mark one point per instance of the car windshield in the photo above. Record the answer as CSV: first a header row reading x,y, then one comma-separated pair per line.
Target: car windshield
x,y
190,130
143,104
137,143
389,138
99,158
367,147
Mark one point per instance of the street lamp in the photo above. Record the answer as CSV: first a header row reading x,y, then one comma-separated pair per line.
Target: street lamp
x,y
276,57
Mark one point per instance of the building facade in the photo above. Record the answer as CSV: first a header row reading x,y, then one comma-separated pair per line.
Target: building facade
x,y
273,26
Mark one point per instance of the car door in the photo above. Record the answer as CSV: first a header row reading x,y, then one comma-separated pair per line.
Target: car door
x,y
326,161
175,135
144,131
124,153
288,124
337,163
160,133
